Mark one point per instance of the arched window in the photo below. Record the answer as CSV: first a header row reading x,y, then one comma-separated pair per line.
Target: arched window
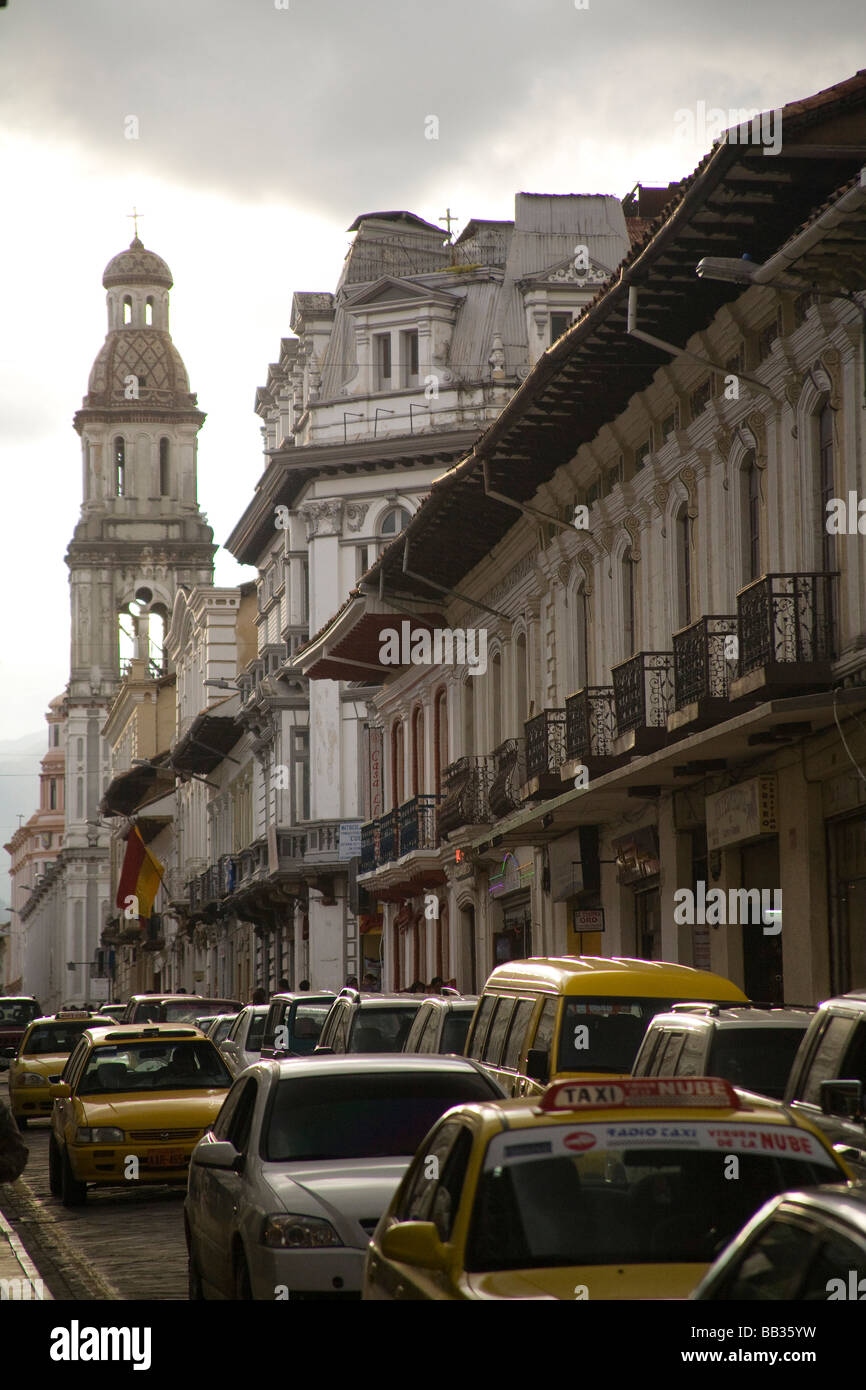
x,y
628,606
521,683
440,747
148,311
164,479
393,522
496,700
397,764
684,567
119,467
581,640
750,491
468,717
418,752
127,309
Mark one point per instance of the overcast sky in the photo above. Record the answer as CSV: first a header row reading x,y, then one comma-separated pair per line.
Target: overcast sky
x,y
262,133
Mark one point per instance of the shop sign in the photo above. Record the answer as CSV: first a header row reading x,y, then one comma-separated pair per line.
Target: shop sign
x,y
742,812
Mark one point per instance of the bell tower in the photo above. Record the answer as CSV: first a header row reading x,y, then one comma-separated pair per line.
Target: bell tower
x,y
139,536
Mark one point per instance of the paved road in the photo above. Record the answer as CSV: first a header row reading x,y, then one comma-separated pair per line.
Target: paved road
x,y
120,1245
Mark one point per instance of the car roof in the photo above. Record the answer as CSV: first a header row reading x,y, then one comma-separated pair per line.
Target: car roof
x,y
736,1017
248,1009
370,1001
388,1063
599,974
466,1002
846,1200
287,996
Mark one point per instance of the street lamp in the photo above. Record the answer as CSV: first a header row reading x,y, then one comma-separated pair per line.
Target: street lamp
x,y
743,270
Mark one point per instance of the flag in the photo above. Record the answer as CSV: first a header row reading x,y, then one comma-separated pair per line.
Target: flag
x,y
140,876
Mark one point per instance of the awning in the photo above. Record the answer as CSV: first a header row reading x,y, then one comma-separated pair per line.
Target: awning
x,y
206,742
129,791
349,649
740,739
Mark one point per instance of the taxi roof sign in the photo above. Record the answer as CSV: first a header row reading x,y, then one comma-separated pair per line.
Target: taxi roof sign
x,y
74,1013
697,1092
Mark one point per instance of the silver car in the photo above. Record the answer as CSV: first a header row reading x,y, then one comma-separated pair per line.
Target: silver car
x,y
242,1044
287,1188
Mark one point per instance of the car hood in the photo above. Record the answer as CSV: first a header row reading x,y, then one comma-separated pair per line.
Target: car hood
x,y
643,1281
49,1064
154,1110
358,1188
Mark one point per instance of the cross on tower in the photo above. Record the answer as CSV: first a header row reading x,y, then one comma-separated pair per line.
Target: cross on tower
x,y
135,214
448,219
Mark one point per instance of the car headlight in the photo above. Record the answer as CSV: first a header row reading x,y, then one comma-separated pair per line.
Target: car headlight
x,y
289,1232
31,1078
99,1136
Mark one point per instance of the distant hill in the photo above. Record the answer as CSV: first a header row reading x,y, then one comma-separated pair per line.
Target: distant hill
x,y
19,793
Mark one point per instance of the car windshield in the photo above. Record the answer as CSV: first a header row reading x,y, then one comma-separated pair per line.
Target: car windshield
x,y
18,1011
540,1202
54,1037
382,1029
222,1029
154,1066
361,1114
758,1059
455,1030
305,1026
601,1034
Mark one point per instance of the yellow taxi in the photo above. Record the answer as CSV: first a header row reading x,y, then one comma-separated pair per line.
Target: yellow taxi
x,y
132,1104
623,1189
41,1058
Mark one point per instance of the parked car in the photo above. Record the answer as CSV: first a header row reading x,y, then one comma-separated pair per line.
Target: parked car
x,y
600,1190
800,1247
294,1023
40,1060
147,1093
368,1022
112,1012
751,1047
16,1012
220,1026
441,1024
286,1189
547,1018
242,1043
828,1077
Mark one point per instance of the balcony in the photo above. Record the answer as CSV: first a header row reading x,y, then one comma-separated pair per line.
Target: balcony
x,y
590,730
399,836
370,848
787,631
705,665
417,825
509,775
388,838
643,693
465,795
545,753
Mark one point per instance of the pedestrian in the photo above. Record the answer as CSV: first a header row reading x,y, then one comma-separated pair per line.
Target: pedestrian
x,y
351,981
13,1151
369,984
435,986
304,986
283,986
259,996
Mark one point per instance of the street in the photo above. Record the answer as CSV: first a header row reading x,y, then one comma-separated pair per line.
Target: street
x,y
121,1245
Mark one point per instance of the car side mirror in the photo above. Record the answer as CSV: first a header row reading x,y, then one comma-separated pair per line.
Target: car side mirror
x,y
415,1243
842,1098
220,1154
59,1090
538,1065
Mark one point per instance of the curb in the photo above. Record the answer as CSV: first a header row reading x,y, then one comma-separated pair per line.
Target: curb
x,y
69,1276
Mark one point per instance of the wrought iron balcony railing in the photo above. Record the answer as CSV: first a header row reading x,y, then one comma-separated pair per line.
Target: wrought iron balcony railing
x,y
466,786
702,670
388,837
509,775
787,618
643,691
416,824
545,742
370,845
590,723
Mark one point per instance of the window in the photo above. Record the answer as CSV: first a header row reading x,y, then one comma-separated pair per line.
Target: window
x,y
55,735
441,737
119,467
628,632
559,324
827,475
479,1032
517,1033
148,311
362,560
642,453
127,309
498,1029
382,349
468,717
684,567
409,357
496,701
394,521
164,480
52,795
418,753
397,764
751,501
301,790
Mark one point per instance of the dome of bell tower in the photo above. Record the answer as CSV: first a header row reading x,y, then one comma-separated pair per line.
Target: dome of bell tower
x,y
137,266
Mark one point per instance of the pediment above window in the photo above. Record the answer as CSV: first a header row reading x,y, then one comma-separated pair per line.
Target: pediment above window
x,y
567,273
389,291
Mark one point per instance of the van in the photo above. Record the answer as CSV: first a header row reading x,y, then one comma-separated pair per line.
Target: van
x,y
547,1019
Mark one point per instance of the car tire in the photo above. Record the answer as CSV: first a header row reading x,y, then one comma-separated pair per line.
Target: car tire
x,y
243,1286
53,1167
72,1192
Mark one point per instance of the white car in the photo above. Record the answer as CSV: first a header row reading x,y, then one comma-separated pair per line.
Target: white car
x,y
242,1044
287,1188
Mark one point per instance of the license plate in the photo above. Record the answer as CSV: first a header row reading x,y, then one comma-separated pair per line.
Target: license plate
x,y
166,1158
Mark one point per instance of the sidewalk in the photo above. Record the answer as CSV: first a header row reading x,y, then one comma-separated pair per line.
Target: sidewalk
x,y
19,1277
